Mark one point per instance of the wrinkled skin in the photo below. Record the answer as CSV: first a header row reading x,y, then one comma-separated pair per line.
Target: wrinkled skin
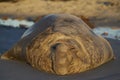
x,y
61,44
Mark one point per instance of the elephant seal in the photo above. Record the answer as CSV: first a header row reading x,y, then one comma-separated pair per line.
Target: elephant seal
x,y
61,44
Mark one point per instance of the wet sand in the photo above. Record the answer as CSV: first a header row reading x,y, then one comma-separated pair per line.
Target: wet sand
x,y
9,36
13,70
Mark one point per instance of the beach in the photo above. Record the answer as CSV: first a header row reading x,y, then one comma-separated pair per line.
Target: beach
x,y
16,17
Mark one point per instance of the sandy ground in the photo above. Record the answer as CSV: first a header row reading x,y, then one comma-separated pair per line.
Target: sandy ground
x,y
100,12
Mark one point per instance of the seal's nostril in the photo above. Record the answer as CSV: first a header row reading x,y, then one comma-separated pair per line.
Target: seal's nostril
x,y
54,47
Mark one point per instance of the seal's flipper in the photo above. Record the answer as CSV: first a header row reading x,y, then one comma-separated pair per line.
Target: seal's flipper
x,y
7,56
13,54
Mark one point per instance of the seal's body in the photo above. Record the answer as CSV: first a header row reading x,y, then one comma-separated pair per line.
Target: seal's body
x,y
61,44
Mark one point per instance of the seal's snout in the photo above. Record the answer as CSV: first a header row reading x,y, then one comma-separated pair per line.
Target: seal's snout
x,y
59,58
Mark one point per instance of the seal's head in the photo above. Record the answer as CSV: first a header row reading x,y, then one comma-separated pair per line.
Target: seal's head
x,y
62,44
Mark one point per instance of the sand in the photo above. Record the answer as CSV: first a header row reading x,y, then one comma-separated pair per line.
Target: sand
x,y
13,70
100,12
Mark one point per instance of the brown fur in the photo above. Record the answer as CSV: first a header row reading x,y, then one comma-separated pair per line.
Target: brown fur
x,y
61,44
